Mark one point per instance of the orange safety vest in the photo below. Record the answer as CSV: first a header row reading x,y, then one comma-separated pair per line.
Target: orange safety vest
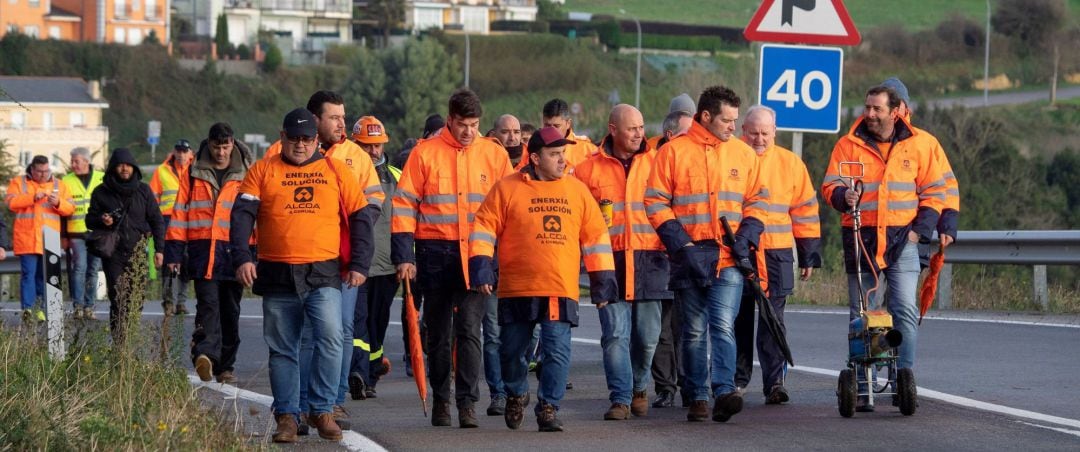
x,y
894,188
203,213
654,142
697,179
358,161
630,230
300,208
544,229
793,204
31,217
442,186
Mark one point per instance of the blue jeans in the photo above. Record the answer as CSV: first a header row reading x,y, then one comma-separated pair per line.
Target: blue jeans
x,y
32,280
899,281
284,318
308,355
492,342
643,340
710,310
555,340
615,341
83,275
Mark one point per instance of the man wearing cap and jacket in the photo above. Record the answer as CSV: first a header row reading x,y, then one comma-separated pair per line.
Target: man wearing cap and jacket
x,y
83,267
305,197
441,187
165,183
699,178
198,238
544,224
904,193
630,326
372,314
38,200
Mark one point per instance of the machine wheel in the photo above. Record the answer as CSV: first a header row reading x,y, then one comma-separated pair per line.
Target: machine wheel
x,y
905,391
846,393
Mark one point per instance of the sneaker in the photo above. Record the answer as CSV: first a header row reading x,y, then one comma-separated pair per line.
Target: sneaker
x,y
440,414
181,309
778,395
515,411
727,405
357,386
369,392
617,412
226,377
863,405
467,417
639,405
327,427
88,313
498,406
699,411
665,399
77,314
204,367
547,418
39,315
286,429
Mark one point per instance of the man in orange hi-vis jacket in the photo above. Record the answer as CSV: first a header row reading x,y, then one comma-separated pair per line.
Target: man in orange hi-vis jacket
x,y
630,327
441,187
697,179
544,224
904,192
791,221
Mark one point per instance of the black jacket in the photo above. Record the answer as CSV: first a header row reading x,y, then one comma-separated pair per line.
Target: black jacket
x,y
134,200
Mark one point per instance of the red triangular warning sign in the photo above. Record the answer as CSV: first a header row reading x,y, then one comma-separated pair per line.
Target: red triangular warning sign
x,y
803,22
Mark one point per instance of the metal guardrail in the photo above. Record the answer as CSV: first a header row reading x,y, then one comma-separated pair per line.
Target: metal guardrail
x,y
1035,248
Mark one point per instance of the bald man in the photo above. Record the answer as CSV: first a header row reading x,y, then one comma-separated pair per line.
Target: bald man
x,y
508,132
630,326
792,220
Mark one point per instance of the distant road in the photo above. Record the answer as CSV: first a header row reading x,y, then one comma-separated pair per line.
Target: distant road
x,y
1007,98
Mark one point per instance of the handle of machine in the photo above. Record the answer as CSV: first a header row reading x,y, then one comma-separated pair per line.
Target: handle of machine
x,y
858,187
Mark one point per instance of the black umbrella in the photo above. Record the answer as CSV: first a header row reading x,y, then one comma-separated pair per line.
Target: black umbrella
x,y
765,309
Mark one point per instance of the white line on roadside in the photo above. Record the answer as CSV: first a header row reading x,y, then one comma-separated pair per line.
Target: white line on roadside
x,y
351,440
1062,430
950,319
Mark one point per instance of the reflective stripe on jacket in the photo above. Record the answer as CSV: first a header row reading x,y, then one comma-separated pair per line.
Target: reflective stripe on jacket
x,y
31,217
906,192
80,197
440,190
166,182
641,263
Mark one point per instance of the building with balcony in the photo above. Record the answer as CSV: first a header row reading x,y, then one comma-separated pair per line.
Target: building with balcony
x,y
473,16
49,116
106,21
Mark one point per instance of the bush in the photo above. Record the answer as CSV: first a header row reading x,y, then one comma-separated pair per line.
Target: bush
x,y
273,59
243,52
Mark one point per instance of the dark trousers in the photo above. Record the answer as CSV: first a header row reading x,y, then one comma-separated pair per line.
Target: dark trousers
x,y
666,371
118,309
769,354
370,321
453,321
217,322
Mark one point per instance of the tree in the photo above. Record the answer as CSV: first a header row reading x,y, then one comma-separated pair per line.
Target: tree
x,y
221,35
1038,26
13,53
425,75
365,89
152,38
388,14
273,58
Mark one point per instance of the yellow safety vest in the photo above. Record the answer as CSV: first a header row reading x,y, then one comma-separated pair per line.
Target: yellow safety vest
x,y
80,196
166,186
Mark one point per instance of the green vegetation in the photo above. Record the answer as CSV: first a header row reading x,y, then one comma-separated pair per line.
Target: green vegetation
x,y
867,14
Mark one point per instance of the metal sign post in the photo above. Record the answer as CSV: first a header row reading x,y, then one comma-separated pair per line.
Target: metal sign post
x,y
54,297
153,137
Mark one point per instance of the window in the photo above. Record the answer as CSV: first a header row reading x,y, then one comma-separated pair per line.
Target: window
x,y
35,3
46,120
77,119
54,32
25,157
119,36
134,36
55,163
18,119
31,31
151,9
120,8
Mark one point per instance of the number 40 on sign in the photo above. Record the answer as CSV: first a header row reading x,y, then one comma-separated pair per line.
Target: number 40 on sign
x,y
803,85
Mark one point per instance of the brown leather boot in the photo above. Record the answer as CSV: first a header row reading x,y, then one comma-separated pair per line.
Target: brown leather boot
x,y
617,412
286,428
639,405
440,413
699,411
325,424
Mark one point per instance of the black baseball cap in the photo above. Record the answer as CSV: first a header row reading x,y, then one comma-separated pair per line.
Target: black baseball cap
x,y
547,137
299,123
182,145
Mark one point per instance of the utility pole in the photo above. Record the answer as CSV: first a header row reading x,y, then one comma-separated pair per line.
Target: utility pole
x,y
468,53
986,60
637,83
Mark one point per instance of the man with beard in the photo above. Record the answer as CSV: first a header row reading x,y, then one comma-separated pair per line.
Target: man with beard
x,y
902,199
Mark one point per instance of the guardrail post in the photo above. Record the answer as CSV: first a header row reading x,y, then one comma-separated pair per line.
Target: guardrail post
x,y
1042,297
944,288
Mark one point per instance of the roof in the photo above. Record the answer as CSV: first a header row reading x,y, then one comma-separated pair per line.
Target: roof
x,y
66,90
60,13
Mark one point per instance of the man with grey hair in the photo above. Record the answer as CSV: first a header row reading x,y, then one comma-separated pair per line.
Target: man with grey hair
x,y
83,267
791,220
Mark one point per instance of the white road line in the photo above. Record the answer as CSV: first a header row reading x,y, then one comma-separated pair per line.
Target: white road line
x,y
950,319
1062,430
350,440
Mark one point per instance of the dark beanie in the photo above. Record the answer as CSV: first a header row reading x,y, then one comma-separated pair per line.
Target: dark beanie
x,y
432,124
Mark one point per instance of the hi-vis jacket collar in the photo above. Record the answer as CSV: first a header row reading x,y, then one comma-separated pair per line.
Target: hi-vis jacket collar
x,y
701,135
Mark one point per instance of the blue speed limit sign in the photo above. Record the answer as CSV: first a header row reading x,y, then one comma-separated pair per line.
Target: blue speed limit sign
x,y
803,85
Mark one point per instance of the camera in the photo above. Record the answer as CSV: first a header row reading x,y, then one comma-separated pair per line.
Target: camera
x,y
116,214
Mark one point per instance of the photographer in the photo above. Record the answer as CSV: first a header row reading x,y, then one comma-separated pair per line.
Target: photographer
x,y
124,203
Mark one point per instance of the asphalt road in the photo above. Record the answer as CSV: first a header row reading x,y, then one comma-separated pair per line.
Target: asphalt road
x,y
1024,372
